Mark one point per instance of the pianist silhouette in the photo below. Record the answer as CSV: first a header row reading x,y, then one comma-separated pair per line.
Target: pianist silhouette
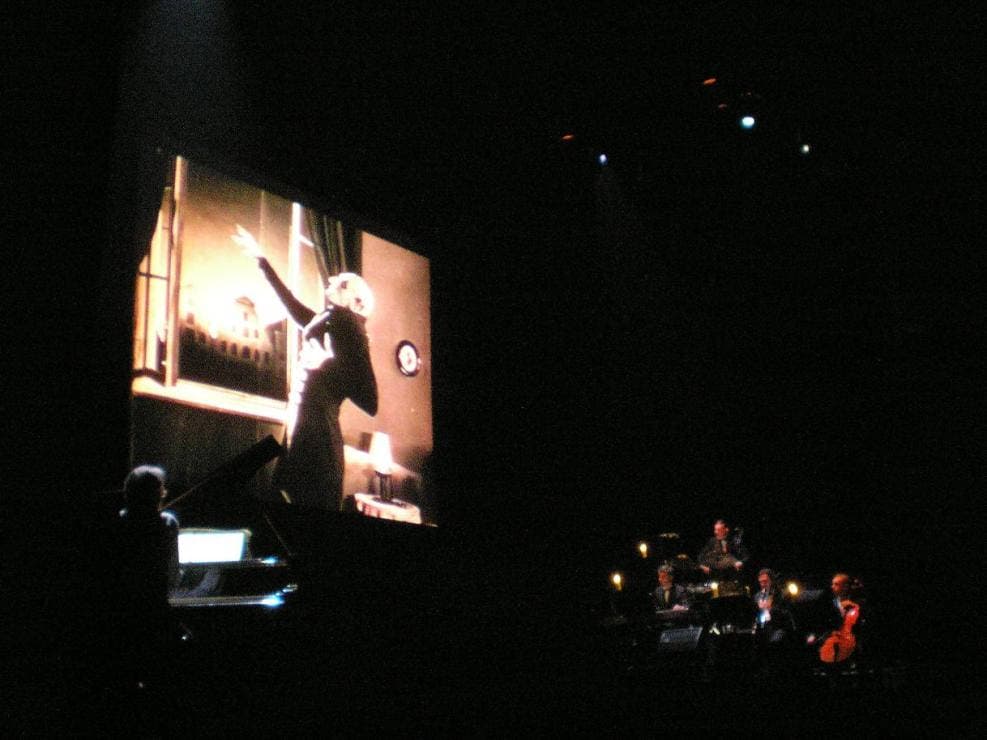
x,y
147,561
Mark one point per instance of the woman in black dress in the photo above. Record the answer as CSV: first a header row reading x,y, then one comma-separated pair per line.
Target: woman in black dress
x,y
334,365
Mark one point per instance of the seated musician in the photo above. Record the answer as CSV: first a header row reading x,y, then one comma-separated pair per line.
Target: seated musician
x,y
840,613
669,595
774,618
723,556
147,559
149,537
774,627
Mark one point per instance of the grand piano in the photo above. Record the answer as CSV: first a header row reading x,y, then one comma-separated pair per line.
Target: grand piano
x,y
241,559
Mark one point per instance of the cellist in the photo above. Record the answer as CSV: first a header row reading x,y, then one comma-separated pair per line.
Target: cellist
x,y
837,640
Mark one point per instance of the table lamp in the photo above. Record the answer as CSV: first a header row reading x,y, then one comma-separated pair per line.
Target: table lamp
x,y
380,458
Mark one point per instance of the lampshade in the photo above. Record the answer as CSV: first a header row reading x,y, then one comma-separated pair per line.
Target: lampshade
x,y
380,453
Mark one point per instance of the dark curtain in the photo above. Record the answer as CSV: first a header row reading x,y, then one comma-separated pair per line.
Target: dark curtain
x,y
338,248
139,175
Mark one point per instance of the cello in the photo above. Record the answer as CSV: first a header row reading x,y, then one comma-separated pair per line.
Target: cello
x,y
841,643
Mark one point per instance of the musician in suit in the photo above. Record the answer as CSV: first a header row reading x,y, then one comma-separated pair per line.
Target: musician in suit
x,y
773,629
832,610
768,595
774,619
723,556
670,595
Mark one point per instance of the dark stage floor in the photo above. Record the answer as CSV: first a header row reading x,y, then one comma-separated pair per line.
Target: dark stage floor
x,y
319,669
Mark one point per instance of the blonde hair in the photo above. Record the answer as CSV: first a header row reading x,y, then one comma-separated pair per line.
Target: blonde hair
x,y
349,290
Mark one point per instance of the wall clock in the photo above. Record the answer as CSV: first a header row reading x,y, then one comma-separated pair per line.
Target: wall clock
x,y
408,359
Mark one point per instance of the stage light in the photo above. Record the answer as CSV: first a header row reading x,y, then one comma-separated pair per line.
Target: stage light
x,y
805,149
643,549
617,580
709,82
748,122
568,136
602,159
273,600
792,587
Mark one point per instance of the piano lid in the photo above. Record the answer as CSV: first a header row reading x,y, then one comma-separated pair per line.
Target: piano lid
x,y
231,474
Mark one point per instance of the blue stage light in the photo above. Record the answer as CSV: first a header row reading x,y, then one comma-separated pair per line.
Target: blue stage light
x,y
747,122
